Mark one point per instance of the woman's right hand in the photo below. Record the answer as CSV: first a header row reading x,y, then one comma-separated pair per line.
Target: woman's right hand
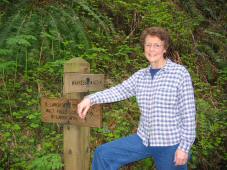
x,y
83,107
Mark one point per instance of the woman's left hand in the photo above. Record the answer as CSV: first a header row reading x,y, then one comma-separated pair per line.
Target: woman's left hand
x,y
181,157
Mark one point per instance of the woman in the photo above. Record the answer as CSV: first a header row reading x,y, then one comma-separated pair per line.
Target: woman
x,y
165,97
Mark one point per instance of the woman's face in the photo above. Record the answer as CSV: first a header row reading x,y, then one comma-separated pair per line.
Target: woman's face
x,y
154,49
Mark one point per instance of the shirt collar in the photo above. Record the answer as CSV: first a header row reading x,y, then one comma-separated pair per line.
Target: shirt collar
x,y
165,68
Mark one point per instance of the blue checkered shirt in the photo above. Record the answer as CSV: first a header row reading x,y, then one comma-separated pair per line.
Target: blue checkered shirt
x,y
166,103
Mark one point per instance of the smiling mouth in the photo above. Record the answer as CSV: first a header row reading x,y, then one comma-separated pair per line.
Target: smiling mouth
x,y
151,55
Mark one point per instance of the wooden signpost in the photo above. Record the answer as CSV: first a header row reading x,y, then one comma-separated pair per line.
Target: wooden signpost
x,y
77,83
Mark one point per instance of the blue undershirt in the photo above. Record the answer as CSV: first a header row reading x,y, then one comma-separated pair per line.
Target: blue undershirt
x,y
153,71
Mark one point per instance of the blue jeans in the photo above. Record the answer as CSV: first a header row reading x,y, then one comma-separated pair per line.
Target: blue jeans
x,y
113,155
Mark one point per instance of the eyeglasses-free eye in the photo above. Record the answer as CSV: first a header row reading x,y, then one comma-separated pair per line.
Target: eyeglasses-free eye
x,y
155,46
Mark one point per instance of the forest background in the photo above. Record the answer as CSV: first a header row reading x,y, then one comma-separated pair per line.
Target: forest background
x,y
38,36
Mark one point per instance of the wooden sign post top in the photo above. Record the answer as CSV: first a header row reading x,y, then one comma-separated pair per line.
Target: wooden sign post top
x,y
77,65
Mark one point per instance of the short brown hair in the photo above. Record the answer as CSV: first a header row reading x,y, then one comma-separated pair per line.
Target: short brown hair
x,y
159,32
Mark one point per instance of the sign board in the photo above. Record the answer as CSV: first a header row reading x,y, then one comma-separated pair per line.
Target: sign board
x,y
65,111
77,82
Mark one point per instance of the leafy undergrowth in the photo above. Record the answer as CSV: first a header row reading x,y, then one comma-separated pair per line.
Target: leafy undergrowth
x,y
37,37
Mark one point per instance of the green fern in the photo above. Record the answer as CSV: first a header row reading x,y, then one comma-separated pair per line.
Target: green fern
x,y
47,162
7,66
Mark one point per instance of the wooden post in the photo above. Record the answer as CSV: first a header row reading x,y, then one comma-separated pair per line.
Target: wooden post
x,y
76,138
77,82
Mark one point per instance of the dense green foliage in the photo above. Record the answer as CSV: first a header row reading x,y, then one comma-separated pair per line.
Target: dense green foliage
x,y
37,37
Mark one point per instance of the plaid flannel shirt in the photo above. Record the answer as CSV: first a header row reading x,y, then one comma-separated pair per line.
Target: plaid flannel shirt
x,y
166,103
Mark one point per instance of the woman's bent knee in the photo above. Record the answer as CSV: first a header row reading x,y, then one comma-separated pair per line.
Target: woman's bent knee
x,y
99,151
